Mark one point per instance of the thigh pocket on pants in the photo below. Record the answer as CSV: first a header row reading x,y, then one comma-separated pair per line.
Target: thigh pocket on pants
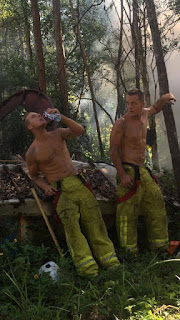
x,y
157,200
91,210
66,211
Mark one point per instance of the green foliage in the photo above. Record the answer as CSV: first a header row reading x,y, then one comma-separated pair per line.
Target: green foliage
x,y
144,287
175,5
13,135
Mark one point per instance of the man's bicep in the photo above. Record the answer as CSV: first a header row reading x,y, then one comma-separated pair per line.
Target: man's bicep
x,y
66,133
116,134
151,111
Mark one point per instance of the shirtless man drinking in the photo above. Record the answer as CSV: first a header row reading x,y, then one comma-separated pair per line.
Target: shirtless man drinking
x,y
77,207
137,191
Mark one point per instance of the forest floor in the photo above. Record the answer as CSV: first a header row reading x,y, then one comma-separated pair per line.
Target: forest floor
x,y
143,287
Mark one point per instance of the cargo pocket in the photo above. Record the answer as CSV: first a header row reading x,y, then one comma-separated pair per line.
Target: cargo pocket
x,y
90,210
66,211
157,198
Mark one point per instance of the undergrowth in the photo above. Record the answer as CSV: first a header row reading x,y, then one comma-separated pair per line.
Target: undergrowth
x,y
143,287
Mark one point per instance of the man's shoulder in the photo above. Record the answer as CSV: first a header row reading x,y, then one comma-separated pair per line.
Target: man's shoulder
x,y
121,121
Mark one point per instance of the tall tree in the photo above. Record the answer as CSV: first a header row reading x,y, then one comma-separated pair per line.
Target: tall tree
x,y
120,109
142,66
135,29
85,61
39,45
60,57
164,88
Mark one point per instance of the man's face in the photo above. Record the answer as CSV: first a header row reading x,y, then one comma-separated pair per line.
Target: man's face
x,y
35,120
134,105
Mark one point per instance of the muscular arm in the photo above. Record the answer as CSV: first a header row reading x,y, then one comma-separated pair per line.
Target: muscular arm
x,y
158,106
34,173
73,129
115,143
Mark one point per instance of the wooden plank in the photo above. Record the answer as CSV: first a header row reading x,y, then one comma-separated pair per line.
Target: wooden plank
x,y
27,208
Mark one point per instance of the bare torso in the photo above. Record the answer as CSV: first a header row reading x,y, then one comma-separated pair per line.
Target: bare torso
x,y
133,140
52,157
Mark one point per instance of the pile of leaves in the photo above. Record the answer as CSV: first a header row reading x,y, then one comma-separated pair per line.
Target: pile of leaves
x,y
100,185
15,184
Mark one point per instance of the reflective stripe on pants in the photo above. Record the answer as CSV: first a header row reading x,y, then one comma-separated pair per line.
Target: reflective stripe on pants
x,y
147,201
85,230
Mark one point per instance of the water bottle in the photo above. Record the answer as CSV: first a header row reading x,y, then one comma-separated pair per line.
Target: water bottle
x,y
53,116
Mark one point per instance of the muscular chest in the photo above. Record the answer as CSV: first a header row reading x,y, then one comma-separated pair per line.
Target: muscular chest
x,y
135,131
48,151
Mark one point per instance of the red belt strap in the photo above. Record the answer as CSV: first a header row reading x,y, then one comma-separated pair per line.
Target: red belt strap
x,y
129,194
56,217
83,180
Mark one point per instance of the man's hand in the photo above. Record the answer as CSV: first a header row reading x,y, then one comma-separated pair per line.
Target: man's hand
x,y
168,97
53,110
127,181
49,190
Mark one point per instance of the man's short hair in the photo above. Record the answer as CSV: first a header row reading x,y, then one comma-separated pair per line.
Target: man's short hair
x,y
136,92
26,121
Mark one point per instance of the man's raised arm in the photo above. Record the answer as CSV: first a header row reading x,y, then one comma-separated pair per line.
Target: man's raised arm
x,y
73,129
158,106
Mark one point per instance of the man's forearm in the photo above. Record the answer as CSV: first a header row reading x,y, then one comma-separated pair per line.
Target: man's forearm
x,y
117,162
75,127
165,98
159,104
39,182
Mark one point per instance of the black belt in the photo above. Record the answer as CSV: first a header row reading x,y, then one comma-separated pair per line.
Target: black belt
x,y
136,169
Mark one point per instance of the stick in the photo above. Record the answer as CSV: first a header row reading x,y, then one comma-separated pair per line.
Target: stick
x,y
46,220
12,161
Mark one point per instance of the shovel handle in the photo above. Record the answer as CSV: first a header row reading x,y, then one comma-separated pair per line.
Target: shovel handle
x,y
46,220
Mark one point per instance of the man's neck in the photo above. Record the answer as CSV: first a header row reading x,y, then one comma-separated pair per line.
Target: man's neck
x,y
40,134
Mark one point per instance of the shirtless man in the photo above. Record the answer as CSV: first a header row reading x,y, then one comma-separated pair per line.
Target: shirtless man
x,y
137,191
77,207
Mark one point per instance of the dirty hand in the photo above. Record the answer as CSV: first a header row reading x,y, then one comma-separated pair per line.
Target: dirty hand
x,y
168,97
49,190
52,110
127,181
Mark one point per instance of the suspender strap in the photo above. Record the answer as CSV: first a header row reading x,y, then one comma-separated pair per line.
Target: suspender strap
x,y
83,180
153,176
56,199
129,194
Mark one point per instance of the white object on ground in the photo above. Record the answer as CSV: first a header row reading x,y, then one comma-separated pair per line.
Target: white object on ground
x,y
51,268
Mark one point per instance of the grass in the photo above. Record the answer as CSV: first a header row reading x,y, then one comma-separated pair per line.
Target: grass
x,y
145,287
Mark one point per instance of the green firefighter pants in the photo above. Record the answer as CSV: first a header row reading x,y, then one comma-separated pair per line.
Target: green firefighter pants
x,y
85,230
147,201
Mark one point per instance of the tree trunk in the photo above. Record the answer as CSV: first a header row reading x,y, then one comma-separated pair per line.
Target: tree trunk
x,y
60,57
144,75
78,35
24,5
164,88
120,109
135,37
38,44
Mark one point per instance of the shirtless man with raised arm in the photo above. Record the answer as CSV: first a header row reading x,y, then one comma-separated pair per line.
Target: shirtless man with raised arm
x,y
138,193
76,206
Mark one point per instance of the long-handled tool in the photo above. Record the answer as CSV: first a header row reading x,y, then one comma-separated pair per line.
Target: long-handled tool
x,y
46,220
